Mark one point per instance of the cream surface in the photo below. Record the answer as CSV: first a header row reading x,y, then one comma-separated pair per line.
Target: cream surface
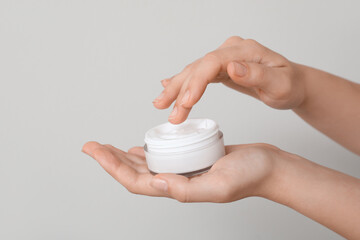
x,y
189,129
193,146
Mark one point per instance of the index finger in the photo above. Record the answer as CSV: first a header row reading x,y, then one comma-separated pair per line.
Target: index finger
x,y
133,181
205,71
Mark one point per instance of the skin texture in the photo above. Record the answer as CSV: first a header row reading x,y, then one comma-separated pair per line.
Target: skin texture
x,y
327,196
327,102
219,184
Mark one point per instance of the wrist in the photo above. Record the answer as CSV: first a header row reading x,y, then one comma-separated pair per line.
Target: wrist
x,y
282,175
301,84
277,163
322,194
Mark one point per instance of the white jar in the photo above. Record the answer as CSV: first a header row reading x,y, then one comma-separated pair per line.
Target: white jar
x,y
189,148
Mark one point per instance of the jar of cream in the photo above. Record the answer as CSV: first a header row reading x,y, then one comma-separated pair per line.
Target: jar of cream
x,y
189,148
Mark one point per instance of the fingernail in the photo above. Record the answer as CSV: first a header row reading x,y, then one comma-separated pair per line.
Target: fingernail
x,y
159,97
240,69
159,184
185,98
173,113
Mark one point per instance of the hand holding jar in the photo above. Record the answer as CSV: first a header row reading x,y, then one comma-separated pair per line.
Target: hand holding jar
x,y
327,102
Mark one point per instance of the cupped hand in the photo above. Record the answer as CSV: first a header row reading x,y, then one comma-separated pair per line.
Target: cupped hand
x,y
245,170
241,64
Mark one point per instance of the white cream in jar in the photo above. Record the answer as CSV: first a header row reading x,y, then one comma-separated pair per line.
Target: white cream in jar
x,y
189,148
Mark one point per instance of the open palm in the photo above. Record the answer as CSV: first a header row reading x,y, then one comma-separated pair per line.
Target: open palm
x,y
240,173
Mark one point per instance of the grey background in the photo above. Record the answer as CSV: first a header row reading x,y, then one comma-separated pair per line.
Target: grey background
x,y
73,71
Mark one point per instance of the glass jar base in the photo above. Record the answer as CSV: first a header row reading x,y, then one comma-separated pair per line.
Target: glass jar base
x,y
189,174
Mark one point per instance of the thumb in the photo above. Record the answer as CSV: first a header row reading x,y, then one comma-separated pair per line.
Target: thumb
x,y
197,189
254,75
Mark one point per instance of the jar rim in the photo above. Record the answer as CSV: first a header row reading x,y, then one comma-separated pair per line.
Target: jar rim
x,y
191,132
186,148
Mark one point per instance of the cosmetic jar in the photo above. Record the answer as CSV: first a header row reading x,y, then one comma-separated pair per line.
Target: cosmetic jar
x,y
189,148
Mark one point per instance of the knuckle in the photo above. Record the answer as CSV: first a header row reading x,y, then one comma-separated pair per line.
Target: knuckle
x,y
255,47
187,67
211,57
182,195
233,40
250,42
165,81
181,198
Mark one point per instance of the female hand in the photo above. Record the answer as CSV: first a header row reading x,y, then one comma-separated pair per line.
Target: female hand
x,y
244,171
326,196
241,64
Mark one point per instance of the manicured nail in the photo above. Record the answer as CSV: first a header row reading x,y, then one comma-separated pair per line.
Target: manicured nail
x,y
173,113
159,184
185,98
240,69
159,97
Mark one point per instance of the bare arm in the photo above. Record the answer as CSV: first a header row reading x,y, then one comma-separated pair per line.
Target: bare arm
x,y
324,195
331,105
327,102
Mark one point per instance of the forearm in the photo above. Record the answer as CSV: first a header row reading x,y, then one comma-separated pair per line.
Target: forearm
x,y
322,194
331,105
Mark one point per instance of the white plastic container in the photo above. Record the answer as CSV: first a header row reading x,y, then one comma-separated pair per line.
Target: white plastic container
x,y
189,148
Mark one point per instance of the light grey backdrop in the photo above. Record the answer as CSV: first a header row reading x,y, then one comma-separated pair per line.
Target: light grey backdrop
x,y
73,71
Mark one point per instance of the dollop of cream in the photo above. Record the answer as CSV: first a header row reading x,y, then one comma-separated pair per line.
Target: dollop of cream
x,y
191,130
188,148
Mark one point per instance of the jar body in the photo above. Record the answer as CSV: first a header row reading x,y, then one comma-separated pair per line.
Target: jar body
x,y
188,163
